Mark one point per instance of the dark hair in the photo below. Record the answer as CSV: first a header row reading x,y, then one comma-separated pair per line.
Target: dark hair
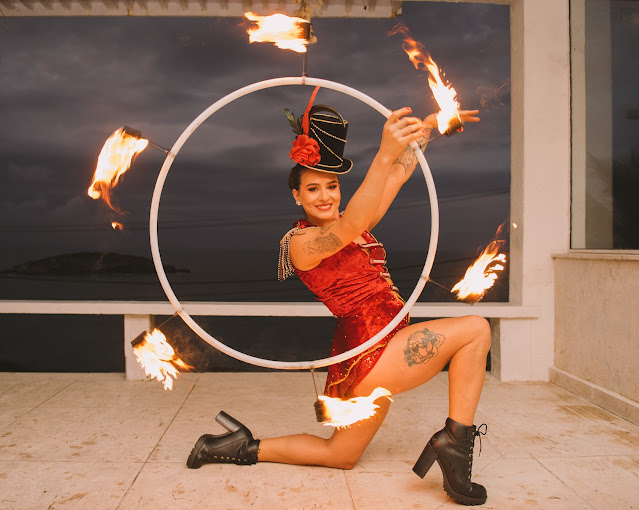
x,y
295,177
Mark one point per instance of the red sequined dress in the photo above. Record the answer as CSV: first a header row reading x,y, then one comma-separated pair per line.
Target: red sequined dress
x,y
355,286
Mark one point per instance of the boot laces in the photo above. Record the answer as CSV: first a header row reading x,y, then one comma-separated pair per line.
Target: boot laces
x,y
476,432
479,432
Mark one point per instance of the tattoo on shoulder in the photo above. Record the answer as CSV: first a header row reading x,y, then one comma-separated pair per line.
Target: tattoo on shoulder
x,y
422,346
322,244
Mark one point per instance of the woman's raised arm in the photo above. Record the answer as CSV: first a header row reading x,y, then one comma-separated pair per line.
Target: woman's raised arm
x,y
405,164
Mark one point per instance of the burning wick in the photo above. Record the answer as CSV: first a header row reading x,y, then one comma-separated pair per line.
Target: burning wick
x,y
157,357
117,226
448,119
286,32
138,134
455,125
480,276
338,413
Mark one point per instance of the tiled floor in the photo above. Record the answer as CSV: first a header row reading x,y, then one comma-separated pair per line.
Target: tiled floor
x,y
96,441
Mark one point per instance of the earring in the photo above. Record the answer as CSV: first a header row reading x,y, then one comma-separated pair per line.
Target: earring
x,y
298,202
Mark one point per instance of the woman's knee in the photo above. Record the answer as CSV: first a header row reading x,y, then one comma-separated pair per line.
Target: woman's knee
x,y
341,456
342,459
480,328
347,463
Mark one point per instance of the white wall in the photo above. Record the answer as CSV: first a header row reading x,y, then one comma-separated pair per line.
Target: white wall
x,y
540,192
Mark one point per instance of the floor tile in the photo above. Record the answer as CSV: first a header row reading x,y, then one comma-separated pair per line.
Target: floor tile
x,y
499,441
606,482
85,434
113,390
553,430
64,485
261,486
29,390
79,440
10,414
392,484
500,393
518,484
228,389
406,429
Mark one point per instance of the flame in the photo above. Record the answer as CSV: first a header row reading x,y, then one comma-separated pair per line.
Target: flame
x,y
448,118
115,158
117,226
158,358
342,413
445,95
285,32
480,276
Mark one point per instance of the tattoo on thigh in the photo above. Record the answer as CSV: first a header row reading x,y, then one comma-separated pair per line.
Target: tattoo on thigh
x,y
324,244
422,346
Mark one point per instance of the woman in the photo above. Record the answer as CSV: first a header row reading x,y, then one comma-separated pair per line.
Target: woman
x,y
335,255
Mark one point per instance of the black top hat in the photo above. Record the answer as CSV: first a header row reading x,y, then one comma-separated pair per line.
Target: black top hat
x,y
321,140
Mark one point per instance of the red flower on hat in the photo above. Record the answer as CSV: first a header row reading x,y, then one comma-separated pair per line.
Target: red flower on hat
x,y
305,151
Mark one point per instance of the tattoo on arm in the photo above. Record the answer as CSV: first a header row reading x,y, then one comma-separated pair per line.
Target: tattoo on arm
x,y
322,244
407,158
422,141
422,346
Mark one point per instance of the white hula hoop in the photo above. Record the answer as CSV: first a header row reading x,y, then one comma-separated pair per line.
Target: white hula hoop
x,y
155,250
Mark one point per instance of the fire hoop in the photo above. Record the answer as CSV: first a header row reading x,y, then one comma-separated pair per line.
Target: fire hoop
x,y
155,250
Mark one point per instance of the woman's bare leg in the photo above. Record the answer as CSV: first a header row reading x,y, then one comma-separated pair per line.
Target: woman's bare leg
x,y
414,356
342,450
419,352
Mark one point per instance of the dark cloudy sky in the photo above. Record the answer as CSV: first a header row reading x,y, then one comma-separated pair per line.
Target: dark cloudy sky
x,y
67,83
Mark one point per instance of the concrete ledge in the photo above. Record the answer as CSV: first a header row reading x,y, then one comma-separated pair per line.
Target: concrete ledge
x,y
253,309
609,400
627,255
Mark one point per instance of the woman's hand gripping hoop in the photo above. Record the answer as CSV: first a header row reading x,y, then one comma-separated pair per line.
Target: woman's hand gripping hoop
x,y
155,250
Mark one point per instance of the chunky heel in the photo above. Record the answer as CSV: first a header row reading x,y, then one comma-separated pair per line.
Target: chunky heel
x,y
228,422
236,446
425,461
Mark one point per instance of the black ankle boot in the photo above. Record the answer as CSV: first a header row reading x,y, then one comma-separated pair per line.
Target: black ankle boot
x,y
452,448
235,447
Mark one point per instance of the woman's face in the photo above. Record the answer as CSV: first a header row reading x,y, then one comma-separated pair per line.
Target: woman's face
x,y
320,196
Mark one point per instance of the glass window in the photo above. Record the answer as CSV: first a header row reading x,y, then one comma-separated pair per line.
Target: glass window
x,y
67,83
605,124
